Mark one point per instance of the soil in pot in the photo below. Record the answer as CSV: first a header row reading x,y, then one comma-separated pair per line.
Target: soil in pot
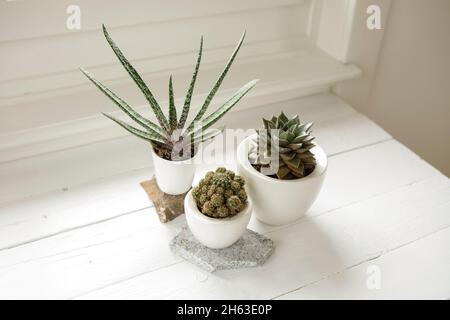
x,y
167,154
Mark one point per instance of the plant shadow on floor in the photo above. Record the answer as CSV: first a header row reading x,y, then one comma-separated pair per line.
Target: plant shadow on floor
x,y
317,250
305,252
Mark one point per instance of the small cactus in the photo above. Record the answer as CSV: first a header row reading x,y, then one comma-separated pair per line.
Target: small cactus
x,y
220,194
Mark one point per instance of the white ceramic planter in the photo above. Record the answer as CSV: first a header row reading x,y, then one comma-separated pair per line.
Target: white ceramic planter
x,y
215,233
174,177
278,202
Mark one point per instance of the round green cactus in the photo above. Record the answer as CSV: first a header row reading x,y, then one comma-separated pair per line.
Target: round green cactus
x,y
221,194
234,203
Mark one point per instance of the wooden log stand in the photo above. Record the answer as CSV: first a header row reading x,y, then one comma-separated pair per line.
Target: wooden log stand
x,y
167,206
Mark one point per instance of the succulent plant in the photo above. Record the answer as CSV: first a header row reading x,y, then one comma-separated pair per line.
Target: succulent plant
x,y
171,137
220,194
291,141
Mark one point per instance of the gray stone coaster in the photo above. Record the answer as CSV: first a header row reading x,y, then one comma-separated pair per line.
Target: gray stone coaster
x,y
251,250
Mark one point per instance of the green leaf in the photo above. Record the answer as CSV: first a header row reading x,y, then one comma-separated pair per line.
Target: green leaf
x,y
221,111
293,128
287,156
283,136
304,149
212,135
290,136
147,124
207,135
295,146
297,171
283,142
283,118
291,123
306,127
282,172
295,162
305,155
284,150
138,133
217,84
138,80
187,101
309,139
172,108
300,138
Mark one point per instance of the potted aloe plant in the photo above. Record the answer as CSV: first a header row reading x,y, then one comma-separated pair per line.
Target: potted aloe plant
x,y
284,169
173,142
218,209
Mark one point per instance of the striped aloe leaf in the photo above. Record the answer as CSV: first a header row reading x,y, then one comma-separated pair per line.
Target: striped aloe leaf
x,y
217,84
152,137
187,101
145,123
162,136
221,111
208,134
172,108
138,80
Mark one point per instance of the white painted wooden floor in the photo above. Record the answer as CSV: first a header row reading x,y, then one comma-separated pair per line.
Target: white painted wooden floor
x,y
91,233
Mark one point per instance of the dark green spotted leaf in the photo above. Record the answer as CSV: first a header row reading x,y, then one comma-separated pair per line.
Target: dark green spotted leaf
x,y
138,80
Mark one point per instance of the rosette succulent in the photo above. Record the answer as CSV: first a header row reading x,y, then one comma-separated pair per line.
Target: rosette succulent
x,y
220,194
283,148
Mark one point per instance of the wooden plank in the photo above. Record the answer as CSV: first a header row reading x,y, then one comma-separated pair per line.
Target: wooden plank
x,y
94,260
307,251
36,217
419,270
68,263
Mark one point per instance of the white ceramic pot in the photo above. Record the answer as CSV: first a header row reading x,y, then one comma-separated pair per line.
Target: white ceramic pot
x,y
174,177
278,202
215,233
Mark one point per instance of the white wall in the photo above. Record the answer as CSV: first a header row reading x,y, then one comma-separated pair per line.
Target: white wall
x,y
409,92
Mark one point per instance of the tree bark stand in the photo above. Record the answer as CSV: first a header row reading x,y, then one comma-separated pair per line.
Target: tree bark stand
x,y
167,206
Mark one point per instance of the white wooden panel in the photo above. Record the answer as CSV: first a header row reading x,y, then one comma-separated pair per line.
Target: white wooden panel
x,y
363,50
81,260
335,26
419,270
21,58
308,251
35,87
309,65
278,71
21,18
